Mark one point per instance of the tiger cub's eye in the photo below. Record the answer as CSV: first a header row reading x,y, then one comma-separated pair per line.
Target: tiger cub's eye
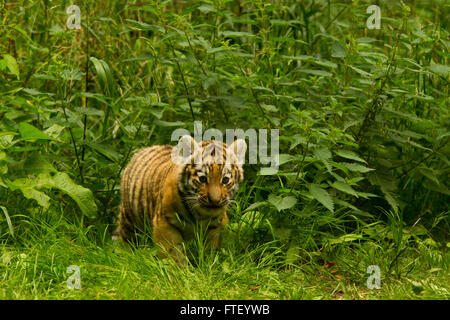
x,y
203,179
225,180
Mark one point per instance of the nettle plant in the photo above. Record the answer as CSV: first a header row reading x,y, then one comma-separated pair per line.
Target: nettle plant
x,y
319,182
362,113
364,131
34,144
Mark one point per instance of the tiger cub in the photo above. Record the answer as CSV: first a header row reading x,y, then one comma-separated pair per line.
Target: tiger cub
x,y
176,194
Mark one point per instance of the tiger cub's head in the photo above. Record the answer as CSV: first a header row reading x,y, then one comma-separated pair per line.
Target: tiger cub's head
x,y
209,173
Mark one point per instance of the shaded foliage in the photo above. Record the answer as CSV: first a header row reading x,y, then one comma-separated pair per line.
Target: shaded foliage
x,y
363,114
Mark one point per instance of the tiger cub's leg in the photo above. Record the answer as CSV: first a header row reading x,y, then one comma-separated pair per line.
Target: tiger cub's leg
x,y
214,237
170,239
125,228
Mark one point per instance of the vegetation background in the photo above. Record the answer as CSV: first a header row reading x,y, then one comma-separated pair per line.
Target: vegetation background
x,y
363,116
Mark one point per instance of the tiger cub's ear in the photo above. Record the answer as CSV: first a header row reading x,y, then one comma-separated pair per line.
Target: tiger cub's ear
x,y
238,148
186,151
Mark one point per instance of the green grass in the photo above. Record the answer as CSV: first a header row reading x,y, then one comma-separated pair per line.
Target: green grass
x,y
34,267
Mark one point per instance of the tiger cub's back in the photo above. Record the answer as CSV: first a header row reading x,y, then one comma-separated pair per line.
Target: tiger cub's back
x,y
142,188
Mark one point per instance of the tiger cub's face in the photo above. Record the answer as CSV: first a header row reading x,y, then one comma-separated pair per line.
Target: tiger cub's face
x,y
210,173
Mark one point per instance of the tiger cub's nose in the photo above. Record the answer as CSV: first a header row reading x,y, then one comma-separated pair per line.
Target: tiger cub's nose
x,y
214,197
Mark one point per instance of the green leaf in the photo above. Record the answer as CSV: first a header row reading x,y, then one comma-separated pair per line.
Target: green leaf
x,y
285,158
105,150
346,238
281,233
300,57
366,40
322,196
104,75
35,92
316,72
282,203
349,155
31,189
439,69
267,171
36,164
269,107
12,65
206,8
8,220
97,96
391,199
54,131
356,167
339,166
56,29
292,254
361,72
338,50
298,139
428,173
89,111
237,34
254,206
322,154
145,26
355,209
162,123
29,132
325,63
344,187
71,75
387,185
262,89
42,76
81,195
25,35
6,139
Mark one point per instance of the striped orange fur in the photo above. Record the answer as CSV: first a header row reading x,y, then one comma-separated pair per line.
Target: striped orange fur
x,y
174,198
